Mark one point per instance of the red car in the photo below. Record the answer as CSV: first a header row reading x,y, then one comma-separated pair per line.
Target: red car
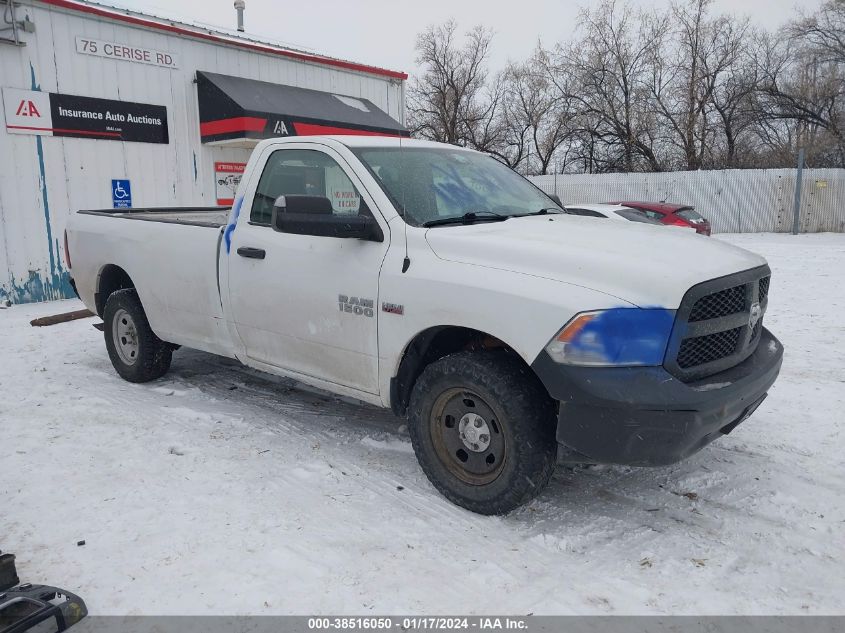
x,y
672,214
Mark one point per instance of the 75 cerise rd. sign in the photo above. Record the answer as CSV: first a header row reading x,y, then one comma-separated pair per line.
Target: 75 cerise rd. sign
x,y
125,52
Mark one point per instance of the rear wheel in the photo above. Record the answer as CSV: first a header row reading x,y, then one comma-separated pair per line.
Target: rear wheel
x,y
483,430
136,353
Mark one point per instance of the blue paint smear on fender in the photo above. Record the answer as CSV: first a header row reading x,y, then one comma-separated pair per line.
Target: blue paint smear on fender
x,y
626,336
233,222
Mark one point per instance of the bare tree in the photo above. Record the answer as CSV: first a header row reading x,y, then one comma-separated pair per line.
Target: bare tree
x,y
804,86
448,99
824,32
537,111
688,68
734,99
611,62
499,133
643,91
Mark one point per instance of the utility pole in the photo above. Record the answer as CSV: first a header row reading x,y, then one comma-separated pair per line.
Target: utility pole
x,y
796,211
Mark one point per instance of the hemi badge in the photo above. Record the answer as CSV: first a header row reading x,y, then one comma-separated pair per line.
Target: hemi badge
x,y
392,308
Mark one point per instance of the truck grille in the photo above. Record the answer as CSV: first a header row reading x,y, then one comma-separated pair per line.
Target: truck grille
x,y
705,349
764,288
714,327
722,303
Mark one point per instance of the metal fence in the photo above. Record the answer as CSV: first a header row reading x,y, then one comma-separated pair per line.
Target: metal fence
x,y
735,200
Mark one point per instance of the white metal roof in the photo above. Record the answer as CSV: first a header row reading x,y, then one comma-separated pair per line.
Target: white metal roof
x,y
193,28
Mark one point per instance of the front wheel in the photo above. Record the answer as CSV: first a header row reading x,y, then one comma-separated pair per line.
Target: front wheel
x,y
136,353
483,430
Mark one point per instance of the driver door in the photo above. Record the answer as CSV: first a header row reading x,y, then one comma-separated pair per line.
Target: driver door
x,y
307,303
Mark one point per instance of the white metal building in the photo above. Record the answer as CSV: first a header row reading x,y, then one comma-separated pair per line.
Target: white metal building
x,y
105,107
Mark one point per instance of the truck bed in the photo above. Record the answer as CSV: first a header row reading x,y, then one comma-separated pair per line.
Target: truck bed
x,y
213,217
172,260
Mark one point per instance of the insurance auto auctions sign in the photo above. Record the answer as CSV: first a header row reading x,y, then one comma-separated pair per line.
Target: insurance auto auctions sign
x,y
48,113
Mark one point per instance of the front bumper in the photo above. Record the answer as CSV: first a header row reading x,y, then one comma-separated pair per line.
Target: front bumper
x,y
644,416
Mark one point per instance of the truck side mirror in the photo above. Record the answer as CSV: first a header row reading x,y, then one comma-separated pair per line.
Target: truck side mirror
x,y
314,215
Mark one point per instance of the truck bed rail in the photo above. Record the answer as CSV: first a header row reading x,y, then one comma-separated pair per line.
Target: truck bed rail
x,y
212,217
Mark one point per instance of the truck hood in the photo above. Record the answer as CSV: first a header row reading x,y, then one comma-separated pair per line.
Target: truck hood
x,y
645,265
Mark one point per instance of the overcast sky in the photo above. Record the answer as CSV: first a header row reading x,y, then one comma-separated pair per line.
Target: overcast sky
x,y
382,32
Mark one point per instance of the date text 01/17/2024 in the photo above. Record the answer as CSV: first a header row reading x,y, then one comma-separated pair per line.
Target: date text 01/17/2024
x,y
419,623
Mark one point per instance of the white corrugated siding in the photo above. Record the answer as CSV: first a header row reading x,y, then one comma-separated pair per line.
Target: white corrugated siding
x,y
78,172
735,200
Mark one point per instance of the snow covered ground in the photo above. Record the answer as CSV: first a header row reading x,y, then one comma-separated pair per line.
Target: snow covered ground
x,y
220,490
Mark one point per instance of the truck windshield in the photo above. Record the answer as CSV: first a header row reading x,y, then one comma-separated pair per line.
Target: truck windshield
x,y
428,185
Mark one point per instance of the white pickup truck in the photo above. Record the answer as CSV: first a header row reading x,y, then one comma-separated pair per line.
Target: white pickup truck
x,y
435,281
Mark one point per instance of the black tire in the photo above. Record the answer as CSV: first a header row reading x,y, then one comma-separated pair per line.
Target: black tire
x,y
143,357
504,399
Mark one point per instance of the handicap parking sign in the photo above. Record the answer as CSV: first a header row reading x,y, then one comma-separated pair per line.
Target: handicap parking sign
x,y
121,194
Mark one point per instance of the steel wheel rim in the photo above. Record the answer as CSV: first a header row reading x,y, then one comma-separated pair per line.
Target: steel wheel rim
x,y
468,436
125,336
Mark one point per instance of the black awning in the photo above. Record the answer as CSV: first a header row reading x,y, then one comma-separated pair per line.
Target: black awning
x,y
236,108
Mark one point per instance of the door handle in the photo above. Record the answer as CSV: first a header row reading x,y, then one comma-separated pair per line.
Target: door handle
x,y
253,253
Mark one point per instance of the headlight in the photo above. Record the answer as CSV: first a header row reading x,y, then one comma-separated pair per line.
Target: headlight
x,y
615,337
